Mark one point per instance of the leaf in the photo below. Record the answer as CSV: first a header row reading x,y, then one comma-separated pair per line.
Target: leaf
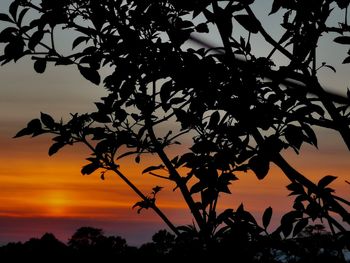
x,y
47,120
100,117
326,181
267,217
302,223
342,3
310,134
175,101
90,74
5,18
165,91
87,30
104,146
142,205
298,205
287,223
13,9
223,188
260,166
242,41
15,49
202,28
23,132
183,117
207,197
294,136
275,6
313,210
8,34
175,161
185,24
197,187
248,23
345,40
35,39
296,188
89,168
157,189
204,146
240,209
249,217
186,159
152,168
78,41
316,108
34,126
186,229
21,15
55,148
40,65
346,60
214,120
228,176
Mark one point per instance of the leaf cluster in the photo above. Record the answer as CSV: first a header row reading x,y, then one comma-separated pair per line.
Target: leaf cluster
x,y
238,110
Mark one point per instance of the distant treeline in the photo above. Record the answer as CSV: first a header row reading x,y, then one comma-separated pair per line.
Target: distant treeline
x,y
89,244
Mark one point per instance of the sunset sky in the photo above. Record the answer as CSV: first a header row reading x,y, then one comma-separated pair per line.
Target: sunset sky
x,y
41,194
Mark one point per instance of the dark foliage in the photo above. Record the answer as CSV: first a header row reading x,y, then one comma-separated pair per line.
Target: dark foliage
x,y
95,247
45,249
239,110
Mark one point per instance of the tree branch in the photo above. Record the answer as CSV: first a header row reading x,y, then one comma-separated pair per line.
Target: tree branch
x,y
267,37
294,175
115,169
174,175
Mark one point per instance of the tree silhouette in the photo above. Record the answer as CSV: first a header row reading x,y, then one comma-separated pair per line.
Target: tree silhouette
x,y
165,247
85,238
239,110
91,245
45,249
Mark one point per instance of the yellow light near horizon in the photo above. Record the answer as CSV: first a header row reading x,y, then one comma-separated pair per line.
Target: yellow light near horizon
x,y
33,185
56,203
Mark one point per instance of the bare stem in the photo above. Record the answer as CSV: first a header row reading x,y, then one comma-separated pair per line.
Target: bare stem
x,y
152,205
113,167
174,175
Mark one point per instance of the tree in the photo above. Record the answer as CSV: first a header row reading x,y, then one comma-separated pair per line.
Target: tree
x,y
89,238
239,110
86,238
44,249
164,241
90,245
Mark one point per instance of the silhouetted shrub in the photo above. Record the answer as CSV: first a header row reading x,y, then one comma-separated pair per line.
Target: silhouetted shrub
x,y
93,246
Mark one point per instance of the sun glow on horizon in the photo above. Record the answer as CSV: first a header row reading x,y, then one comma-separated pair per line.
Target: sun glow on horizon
x,y
40,189
56,203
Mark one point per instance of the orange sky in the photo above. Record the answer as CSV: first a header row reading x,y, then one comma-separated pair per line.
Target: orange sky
x,y
35,187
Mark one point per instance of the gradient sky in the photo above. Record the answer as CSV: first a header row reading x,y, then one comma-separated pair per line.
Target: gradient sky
x,y
41,194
